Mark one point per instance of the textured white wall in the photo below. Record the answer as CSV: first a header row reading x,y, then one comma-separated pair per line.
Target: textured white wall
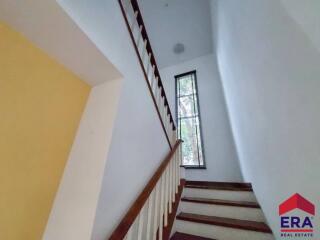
x,y
220,153
138,142
270,73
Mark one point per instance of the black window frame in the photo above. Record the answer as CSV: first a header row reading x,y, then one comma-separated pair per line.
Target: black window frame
x,y
194,72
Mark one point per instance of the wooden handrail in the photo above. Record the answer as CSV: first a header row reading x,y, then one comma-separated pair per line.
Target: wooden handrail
x,y
153,60
145,38
123,227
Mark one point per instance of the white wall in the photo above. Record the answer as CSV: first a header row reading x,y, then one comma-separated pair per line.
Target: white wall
x,y
75,204
307,16
138,142
220,153
270,73
46,24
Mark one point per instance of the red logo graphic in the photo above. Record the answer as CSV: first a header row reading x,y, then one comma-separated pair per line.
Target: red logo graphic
x,y
296,202
296,224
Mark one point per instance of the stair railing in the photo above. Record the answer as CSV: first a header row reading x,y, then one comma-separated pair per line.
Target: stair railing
x,y
148,216
133,18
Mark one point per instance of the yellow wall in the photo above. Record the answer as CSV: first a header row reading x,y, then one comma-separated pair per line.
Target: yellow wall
x,y
40,107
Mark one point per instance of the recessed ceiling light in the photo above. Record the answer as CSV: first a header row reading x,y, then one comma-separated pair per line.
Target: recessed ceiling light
x,y
178,48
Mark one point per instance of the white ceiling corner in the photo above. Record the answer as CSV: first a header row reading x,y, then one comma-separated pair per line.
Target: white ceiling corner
x,y
181,21
46,24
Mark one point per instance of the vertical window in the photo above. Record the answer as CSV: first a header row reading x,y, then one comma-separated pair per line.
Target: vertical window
x,y
188,119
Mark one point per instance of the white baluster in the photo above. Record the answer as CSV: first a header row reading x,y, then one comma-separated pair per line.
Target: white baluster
x,y
170,131
156,85
144,50
156,92
134,21
125,6
148,67
162,106
170,185
166,197
160,103
168,122
174,178
173,133
177,170
161,208
164,118
128,5
129,234
163,110
168,193
149,214
156,210
178,165
140,224
159,99
139,36
153,77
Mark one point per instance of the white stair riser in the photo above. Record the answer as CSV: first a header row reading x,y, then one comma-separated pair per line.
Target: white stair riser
x,y
221,233
243,213
219,194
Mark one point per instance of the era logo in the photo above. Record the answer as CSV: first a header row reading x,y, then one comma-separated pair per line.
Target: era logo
x,y
295,223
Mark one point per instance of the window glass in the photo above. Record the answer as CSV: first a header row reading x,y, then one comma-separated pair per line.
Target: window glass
x,y
188,120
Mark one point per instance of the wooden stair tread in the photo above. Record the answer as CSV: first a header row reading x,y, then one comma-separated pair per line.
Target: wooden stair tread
x,y
184,236
225,222
229,186
221,202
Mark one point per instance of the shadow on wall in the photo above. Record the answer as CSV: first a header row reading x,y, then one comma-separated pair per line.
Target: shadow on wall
x,y
270,73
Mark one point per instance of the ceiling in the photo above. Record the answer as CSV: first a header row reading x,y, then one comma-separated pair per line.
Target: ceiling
x,y
46,24
177,21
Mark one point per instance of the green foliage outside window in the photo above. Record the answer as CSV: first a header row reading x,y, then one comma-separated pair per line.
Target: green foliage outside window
x,y
188,120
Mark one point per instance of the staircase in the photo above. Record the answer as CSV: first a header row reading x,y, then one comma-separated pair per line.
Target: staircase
x,y
207,210
171,208
218,210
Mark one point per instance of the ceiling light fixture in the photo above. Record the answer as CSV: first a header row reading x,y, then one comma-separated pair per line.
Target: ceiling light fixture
x,y
178,48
